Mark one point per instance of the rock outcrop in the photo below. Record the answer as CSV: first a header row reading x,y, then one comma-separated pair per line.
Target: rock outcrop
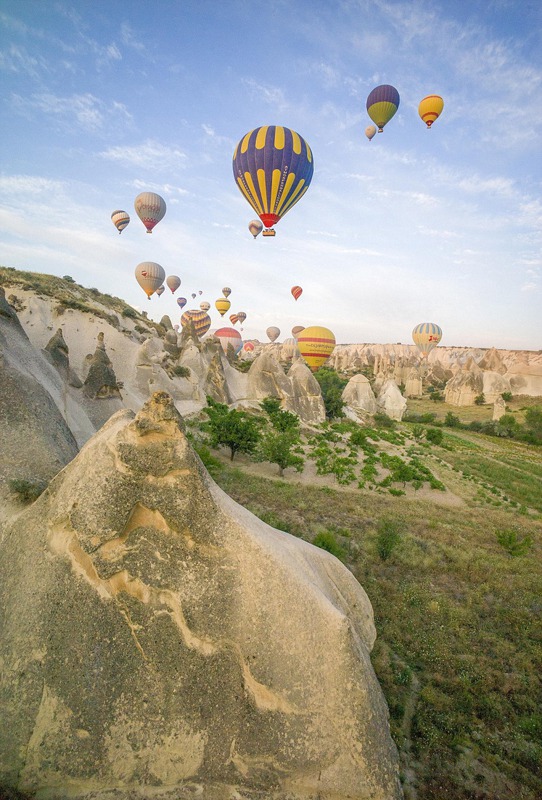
x,y
159,640
465,386
390,401
358,395
57,351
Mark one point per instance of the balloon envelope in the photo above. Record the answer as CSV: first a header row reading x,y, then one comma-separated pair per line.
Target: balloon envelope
x,y
315,344
255,227
430,108
382,104
296,330
248,347
426,336
273,333
296,291
120,220
204,305
150,208
226,291
228,336
173,282
222,305
234,318
241,316
181,302
150,276
160,291
201,320
273,167
370,131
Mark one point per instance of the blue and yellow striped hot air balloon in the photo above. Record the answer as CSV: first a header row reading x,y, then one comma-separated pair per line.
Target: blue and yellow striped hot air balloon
x,y
273,167
426,336
382,104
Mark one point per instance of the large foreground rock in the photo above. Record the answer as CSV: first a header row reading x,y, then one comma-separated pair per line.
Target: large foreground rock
x,y
159,640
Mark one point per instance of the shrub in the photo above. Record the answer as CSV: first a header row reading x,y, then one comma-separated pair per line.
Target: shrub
x,y
506,396
512,543
452,421
434,435
129,312
480,399
383,421
328,541
332,386
181,372
27,491
68,278
387,538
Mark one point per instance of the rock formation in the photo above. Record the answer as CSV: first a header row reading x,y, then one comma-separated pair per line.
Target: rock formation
x,y
57,351
466,384
101,381
358,395
414,383
159,640
305,396
499,408
390,401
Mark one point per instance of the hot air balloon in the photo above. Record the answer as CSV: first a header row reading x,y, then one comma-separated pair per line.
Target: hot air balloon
x,y
160,291
173,282
228,336
248,347
296,291
382,103
255,227
430,108
222,305
120,220
296,330
181,302
241,316
200,292
426,336
193,295
204,305
273,333
315,344
226,291
370,131
234,319
273,167
201,320
150,276
150,208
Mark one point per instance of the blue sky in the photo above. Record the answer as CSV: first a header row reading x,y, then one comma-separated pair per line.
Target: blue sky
x,y
102,100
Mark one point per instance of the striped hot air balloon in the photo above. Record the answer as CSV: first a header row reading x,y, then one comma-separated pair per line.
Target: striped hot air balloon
x,y
430,108
120,220
201,320
226,291
150,276
382,104
426,337
248,347
204,305
234,319
228,336
296,292
255,227
150,208
273,167
315,344
222,305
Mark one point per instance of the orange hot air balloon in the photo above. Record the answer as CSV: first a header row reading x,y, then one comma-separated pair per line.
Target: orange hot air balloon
x,y
296,291
315,344
234,319
430,108
248,347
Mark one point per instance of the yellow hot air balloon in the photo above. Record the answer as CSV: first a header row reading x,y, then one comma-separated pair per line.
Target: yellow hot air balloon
x,y
430,108
382,103
370,131
315,344
150,276
222,305
426,336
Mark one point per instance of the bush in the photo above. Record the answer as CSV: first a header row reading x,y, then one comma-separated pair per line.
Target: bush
x,y
452,421
480,399
434,435
68,278
383,421
129,312
181,372
27,491
332,386
512,543
388,538
506,396
327,541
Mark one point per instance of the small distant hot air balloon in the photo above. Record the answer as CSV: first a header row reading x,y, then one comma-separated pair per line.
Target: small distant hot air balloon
x,y
173,282
222,305
430,108
241,316
255,227
193,295
382,104
296,330
150,208
273,333
228,336
120,220
150,276
426,336
181,302
201,320
204,305
296,291
273,167
226,291
370,131
248,347
315,344
200,292
160,291
234,319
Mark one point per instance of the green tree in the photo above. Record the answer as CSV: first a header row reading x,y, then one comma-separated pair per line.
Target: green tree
x,y
332,386
533,423
434,435
452,421
480,399
276,446
280,420
231,428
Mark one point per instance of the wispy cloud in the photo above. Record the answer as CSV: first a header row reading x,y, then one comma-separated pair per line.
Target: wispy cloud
x,y
78,111
272,95
18,60
150,155
129,40
166,189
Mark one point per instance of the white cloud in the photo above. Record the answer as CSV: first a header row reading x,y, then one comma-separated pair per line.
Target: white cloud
x,y
150,155
78,111
161,188
272,95
129,40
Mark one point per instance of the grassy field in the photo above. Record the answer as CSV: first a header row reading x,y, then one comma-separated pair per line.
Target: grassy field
x,y
454,575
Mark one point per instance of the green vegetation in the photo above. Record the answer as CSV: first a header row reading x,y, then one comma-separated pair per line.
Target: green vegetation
x,y
27,491
332,386
231,428
180,372
327,540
